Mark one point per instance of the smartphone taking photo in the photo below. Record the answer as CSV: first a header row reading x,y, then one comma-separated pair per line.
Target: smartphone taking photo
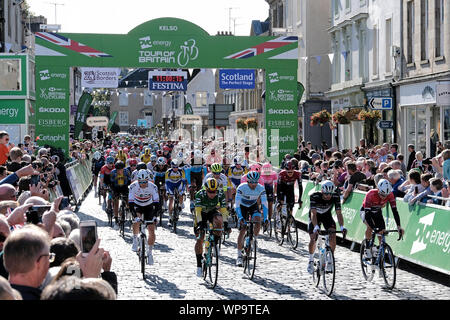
x,y
88,236
64,203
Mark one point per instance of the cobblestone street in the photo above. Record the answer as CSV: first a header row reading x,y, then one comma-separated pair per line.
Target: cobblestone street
x,y
281,272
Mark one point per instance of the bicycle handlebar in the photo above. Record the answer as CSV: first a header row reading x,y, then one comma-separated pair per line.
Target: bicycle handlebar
x,y
389,231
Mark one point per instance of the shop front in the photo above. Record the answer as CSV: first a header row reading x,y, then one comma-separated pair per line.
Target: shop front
x,y
424,115
347,136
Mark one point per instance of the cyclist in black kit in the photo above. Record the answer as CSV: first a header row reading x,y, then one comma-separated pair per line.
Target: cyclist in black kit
x,y
321,204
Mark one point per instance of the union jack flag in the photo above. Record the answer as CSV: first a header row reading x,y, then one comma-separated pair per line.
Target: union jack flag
x,y
71,44
263,47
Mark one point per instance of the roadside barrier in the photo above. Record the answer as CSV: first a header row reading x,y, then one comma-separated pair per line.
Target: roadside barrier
x,y
79,175
426,241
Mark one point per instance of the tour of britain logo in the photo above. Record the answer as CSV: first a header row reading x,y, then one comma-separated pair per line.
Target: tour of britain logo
x,y
147,53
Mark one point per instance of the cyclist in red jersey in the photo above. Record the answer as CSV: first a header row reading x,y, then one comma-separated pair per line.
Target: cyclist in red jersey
x,y
286,182
373,202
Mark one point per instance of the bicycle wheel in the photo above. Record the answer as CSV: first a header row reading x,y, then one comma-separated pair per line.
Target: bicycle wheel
x,y
250,262
213,268
388,267
279,226
175,217
366,263
329,272
292,232
122,220
142,256
316,273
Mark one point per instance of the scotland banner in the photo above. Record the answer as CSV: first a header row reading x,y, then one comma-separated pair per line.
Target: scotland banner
x,y
237,79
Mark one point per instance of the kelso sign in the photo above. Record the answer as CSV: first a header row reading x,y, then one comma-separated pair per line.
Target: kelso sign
x,y
169,43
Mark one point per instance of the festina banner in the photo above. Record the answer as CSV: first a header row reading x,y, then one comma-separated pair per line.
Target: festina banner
x,y
167,80
100,77
83,107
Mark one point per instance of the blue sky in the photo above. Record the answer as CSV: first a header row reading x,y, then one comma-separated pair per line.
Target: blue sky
x,y
119,16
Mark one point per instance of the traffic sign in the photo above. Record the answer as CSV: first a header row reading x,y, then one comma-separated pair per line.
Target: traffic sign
x,y
385,124
380,103
97,121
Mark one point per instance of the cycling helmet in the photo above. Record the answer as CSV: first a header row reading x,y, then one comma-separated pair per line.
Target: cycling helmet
x,y
255,167
295,162
97,155
125,150
166,148
55,158
153,158
290,165
120,152
216,168
143,175
132,162
266,169
211,184
120,165
147,151
113,154
384,187
110,160
180,155
174,163
159,153
161,161
141,165
197,154
253,177
237,160
327,186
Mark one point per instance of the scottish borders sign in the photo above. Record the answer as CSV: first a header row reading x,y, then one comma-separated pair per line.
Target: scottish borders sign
x,y
175,44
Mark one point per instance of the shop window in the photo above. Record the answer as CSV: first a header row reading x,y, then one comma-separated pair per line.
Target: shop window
x,y
10,75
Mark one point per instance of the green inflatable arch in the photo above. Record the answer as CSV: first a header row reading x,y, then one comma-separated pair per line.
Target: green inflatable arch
x,y
167,43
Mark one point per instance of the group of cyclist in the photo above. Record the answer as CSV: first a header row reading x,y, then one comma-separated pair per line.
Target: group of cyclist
x,y
151,174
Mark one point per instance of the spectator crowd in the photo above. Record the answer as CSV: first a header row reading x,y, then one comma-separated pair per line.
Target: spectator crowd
x,y
414,178
40,256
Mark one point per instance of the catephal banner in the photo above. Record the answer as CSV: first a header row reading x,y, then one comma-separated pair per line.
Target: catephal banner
x,y
52,106
281,113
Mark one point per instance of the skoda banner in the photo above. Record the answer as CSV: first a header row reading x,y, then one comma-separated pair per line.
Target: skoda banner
x,y
83,107
52,107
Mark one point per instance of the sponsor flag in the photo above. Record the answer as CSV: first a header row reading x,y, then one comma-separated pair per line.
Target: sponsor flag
x,y
83,107
112,120
188,109
300,90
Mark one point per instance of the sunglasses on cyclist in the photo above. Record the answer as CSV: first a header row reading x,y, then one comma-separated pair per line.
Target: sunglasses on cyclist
x,y
211,191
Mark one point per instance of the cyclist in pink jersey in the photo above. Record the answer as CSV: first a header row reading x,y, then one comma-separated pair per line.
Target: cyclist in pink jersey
x,y
254,167
269,181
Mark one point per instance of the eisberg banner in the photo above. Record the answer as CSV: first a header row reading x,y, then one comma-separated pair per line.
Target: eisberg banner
x,y
100,77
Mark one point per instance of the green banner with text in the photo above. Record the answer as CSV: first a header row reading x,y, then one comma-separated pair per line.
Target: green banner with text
x,y
12,111
52,106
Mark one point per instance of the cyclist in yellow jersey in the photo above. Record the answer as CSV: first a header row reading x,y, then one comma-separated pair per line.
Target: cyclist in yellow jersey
x,y
122,156
146,157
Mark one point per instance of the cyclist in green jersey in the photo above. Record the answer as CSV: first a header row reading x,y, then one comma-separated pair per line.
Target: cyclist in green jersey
x,y
210,206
